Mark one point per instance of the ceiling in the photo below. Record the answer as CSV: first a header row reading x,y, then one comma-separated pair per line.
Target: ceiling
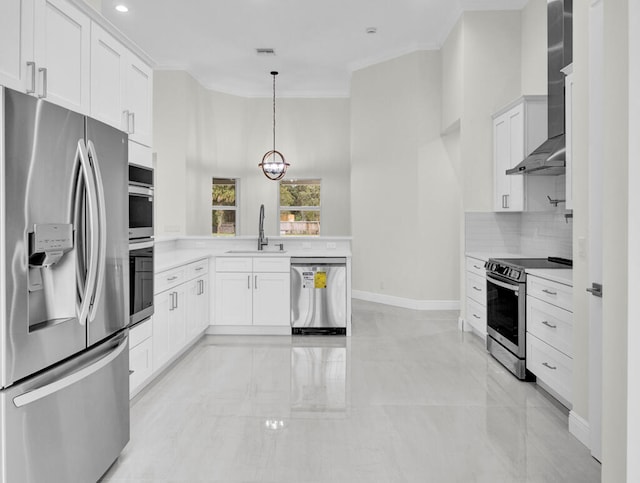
x,y
318,44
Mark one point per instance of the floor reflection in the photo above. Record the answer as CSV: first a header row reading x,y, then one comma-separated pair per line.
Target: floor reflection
x,y
318,375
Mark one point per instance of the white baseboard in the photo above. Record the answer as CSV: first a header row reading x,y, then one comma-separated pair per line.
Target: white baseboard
x,y
405,302
579,427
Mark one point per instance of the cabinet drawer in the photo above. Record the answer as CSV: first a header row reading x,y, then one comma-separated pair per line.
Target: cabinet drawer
x,y
476,266
550,366
140,364
166,280
271,264
234,264
477,288
197,269
552,292
477,316
550,324
140,332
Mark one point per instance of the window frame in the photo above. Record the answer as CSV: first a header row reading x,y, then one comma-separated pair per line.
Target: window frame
x,y
318,208
235,208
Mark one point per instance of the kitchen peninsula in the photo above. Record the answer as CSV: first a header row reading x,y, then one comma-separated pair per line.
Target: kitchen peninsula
x,y
194,282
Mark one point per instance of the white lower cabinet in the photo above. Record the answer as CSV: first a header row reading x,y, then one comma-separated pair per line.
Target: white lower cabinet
x,y
140,354
252,291
550,335
181,309
476,296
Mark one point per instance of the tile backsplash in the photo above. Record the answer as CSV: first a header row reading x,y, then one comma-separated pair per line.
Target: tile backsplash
x,y
538,234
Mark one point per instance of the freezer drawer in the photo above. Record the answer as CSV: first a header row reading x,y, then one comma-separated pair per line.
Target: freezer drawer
x,y
319,295
71,422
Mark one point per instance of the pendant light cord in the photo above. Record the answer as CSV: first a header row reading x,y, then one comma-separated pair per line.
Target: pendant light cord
x,y
274,74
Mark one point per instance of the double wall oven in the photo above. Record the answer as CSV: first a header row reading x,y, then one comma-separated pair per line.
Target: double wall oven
x,y
506,308
141,247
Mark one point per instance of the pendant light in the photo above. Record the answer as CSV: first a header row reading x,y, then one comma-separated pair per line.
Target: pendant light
x,y
273,163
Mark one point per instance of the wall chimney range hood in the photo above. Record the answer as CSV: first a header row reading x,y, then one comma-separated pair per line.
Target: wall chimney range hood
x,y
549,158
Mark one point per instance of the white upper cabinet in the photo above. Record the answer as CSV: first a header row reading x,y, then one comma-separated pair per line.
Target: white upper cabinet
x,y
108,67
568,95
16,45
121,87
45,51
517,130
62,54
139,99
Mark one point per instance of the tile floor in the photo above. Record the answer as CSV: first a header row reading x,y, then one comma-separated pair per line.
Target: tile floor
x,y
408,398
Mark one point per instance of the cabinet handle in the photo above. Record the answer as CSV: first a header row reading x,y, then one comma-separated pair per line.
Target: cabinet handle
x,y
176,299
553,368
171,279
43,70
199,268
32,66
256,282
549,325
131,371
477,267
549,292
476,288
125,113
477,316
132,115
249,282
170,301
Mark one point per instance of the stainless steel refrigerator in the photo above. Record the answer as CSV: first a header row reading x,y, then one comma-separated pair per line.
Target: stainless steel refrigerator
x,y
64,303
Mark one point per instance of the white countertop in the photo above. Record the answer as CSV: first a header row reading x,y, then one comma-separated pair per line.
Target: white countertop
x,y
560,275
166,259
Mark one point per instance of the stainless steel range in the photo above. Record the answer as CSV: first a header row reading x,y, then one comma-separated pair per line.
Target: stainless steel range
x,y
506,308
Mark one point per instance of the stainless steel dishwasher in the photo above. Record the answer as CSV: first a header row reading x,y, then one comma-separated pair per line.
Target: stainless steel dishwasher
x,y
319,295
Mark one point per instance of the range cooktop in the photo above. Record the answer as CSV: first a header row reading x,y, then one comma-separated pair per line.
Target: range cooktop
x,y
514,268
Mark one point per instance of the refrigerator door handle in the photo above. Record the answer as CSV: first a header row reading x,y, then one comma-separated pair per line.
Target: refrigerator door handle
x,y
92,201
102,229
66,381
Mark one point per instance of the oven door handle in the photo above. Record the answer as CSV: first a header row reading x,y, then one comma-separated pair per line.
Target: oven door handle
x,y
499,283
140,245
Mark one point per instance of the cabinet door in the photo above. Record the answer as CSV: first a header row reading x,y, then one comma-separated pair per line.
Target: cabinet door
x,y
508,146
16,45
62,54
271,299
140,364
233,298
139,99
162,305
178,320
108,69
197,306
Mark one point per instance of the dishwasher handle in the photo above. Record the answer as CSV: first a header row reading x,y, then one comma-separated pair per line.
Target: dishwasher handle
x,y
317,261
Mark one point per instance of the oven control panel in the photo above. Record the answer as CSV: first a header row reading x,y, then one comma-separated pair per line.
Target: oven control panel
x,y
515,274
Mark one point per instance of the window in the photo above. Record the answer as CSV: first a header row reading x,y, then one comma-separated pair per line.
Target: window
x,y
224,206
300,207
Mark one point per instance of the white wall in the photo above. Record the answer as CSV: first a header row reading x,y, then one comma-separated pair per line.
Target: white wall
x,y
615,242
534,48
200,134
405,199
452,76
491,80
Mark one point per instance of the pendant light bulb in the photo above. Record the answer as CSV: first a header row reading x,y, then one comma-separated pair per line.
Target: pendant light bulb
x,y
273,164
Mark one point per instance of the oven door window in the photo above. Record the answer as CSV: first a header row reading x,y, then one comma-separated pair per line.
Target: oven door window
x,y
502,311
140,211
141,273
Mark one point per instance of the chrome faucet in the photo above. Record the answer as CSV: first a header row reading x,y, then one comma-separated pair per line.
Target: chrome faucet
x,y
262,240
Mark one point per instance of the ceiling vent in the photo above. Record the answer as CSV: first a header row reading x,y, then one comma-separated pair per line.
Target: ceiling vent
x,y
265,52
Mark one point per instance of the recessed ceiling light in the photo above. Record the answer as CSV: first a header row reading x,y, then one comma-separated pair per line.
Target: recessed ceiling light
x,y
122,8
371,30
